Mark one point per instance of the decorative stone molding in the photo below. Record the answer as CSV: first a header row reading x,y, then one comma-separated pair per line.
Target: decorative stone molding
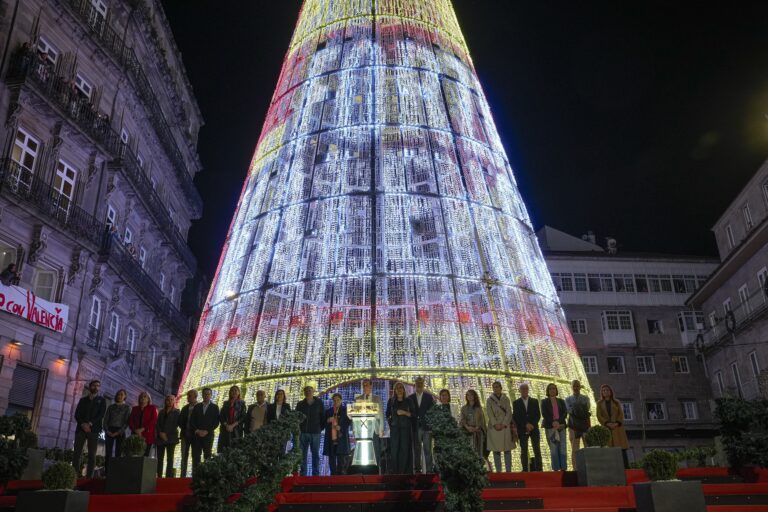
x,y
97,279
76,266
92,168
117,293
132,309
39,243
14,112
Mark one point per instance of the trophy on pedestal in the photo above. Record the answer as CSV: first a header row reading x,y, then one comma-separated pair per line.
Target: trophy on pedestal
x,y
364,416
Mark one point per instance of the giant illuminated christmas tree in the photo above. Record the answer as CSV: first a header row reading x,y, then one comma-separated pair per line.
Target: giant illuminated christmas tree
x,y
380,231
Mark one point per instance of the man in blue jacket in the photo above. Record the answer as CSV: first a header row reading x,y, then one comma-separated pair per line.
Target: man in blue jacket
x,y
314,423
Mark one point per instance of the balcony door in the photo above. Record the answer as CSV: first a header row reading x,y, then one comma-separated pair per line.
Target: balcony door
x,y
64,189
24,155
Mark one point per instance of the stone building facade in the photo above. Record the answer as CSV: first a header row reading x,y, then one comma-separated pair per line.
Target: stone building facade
x,y
98,135
734,300
634,332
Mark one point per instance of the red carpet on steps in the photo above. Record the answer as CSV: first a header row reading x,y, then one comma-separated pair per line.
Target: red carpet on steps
x,y
522,492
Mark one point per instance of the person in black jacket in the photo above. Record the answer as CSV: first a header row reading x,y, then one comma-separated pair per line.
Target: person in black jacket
x,y
204,421
278,407
187,433
526,415
400,413
422,442
314,423
89,416
554,412
167,435
232,418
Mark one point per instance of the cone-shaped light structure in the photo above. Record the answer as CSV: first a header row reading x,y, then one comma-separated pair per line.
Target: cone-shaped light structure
x,y
380,231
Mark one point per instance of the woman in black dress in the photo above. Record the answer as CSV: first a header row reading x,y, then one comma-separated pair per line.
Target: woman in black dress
x,y
400,413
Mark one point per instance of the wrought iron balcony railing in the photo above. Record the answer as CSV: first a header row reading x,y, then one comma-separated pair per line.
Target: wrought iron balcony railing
x,y
21,184
78,109
130,269
93,337
24,187
111,41
741,316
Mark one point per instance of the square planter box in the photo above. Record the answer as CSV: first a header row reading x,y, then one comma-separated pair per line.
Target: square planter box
x,y
670,496
34,469
53,501
600,466
132,475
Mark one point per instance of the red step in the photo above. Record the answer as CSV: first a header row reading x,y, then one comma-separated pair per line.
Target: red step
x,y
358,497
568,497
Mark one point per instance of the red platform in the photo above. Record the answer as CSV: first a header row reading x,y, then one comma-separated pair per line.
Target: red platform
x,y
523,492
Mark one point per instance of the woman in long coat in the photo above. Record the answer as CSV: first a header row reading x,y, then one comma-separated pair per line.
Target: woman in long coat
x,y
472,422
610,414
336,445
498,409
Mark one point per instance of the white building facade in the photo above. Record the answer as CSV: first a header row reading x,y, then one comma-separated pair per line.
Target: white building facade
x,y
634,332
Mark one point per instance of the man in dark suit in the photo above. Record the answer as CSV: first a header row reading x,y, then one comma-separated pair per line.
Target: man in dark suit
x,y
89,416
187,434
526,414
204,421
423,438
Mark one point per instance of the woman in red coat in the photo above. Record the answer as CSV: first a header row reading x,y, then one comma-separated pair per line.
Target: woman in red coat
x,y
143,420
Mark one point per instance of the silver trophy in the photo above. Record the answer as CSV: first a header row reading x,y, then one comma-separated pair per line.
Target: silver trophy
x,y
364,416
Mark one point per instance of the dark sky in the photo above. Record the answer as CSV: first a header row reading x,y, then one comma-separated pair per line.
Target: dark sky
x,y
640,121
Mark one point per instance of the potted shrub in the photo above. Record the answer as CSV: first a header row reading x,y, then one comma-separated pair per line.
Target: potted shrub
x,y
132,473
12,461
35,456
664,493
58,494
597,464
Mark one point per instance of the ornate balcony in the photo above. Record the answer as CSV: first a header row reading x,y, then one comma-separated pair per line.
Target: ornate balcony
x,y
93,337
130,359
108,38
62,95
22,186
128,267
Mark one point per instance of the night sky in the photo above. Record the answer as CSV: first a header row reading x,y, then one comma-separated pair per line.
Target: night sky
x,y
638,121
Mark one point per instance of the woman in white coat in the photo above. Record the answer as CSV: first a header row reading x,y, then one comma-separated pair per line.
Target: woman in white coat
x,y
499,411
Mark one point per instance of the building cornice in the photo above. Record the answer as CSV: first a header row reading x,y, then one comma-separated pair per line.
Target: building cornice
x,y
757,239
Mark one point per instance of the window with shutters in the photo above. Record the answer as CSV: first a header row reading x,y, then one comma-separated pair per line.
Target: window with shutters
x,y
45,284
24,389
95,317
130,340
114,327
64,185
83,86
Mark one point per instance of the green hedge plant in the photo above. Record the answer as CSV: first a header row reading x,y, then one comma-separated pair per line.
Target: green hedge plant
x,y
744,430
60,476
134,446
597,436
462,471
261,454
13,460
660,465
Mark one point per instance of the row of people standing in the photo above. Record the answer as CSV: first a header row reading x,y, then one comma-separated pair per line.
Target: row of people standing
x,y
563,421
92,416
